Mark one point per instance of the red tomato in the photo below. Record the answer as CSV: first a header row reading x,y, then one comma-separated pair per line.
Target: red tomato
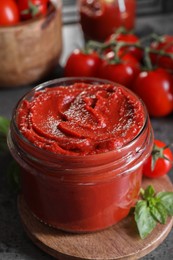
x,y
9,13
124,72
155,87
80,64
32,8
128,38
166,45
162,161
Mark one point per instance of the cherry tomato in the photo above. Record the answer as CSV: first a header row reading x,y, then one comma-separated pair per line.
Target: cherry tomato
x,y
155,87
32,8
80,64
123,72
166,45
159,162
9,13
128,38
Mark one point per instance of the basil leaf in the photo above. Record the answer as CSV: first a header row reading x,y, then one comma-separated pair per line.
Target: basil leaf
x,y
159,212
149,192
151,209
144,220
4,125
166,198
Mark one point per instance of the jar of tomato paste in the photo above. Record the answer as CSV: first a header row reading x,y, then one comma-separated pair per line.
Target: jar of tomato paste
x,y
101,18
81,144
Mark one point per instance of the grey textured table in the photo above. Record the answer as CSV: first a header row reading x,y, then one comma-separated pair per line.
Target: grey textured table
x,y
14,244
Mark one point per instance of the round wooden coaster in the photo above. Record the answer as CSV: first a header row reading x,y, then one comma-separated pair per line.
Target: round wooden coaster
x,y
121,241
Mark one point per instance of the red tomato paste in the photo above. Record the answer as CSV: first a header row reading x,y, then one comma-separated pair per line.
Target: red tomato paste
x,y
81,119
100,18
81,148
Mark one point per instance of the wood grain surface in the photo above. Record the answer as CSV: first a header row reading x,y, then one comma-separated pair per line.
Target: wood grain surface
x,y
121,241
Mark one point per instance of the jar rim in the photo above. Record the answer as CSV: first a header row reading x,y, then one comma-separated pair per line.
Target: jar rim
x,y
75,80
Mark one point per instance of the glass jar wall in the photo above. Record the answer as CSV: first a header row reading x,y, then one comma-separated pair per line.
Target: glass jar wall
x,y
78,193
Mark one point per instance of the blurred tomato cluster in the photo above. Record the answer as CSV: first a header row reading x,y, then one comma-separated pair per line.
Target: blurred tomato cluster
x,y
14,11
147,69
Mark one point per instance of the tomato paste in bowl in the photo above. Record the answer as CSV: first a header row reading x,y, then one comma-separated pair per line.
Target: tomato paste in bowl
x,y
81,144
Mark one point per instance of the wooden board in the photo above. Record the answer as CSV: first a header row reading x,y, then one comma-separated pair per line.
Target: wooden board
x,y
121,241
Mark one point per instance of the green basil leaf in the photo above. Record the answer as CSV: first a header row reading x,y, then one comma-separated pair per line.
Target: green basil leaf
x,y
166,198
144,220
159,212
4,125
149,192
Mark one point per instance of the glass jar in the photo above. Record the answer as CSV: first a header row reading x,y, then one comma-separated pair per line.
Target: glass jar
x,y
100,18
79,193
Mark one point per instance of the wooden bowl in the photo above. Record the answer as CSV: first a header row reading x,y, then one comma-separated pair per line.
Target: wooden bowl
x,y
30,50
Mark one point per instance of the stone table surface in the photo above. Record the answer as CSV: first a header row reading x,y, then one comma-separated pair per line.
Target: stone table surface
x,y
14,244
